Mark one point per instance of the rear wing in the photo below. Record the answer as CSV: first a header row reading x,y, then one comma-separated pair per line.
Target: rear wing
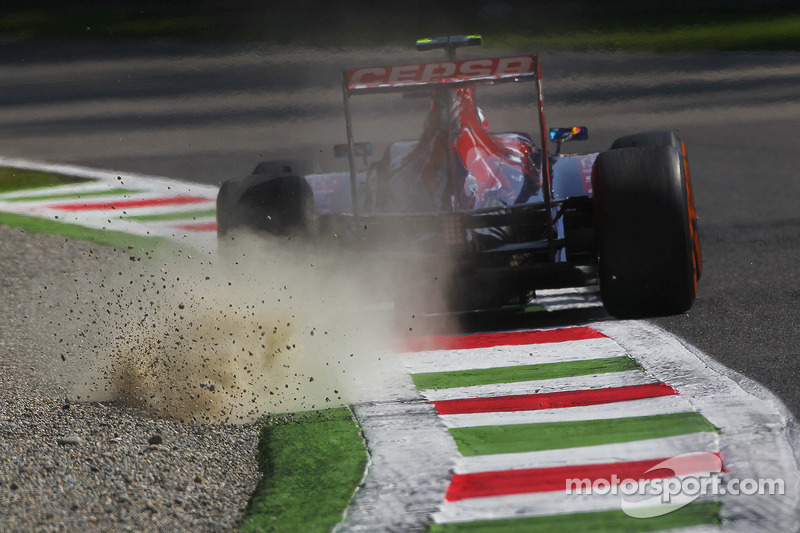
x,y
443,75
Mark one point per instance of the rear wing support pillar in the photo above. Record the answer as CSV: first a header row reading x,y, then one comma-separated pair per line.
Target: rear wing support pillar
x,y
350,149
546,178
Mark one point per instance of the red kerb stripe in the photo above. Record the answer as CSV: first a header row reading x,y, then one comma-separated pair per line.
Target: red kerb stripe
x,y
125,204
552,400
201,226
501,483
487,340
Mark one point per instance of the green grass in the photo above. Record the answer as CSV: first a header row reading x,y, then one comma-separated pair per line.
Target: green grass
x,y
311,463
15,179
517,24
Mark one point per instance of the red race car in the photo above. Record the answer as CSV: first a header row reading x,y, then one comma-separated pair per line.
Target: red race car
x,y
498,214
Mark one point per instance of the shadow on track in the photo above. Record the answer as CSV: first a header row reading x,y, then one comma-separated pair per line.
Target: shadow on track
x,y
499,320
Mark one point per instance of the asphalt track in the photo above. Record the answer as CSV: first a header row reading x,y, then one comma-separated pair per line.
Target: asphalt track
x,y
206,114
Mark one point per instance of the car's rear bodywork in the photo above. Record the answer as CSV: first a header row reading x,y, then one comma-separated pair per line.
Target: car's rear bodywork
x,y
495,204
497,211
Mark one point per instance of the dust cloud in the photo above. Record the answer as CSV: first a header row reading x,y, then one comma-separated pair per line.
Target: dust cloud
x,y
273,328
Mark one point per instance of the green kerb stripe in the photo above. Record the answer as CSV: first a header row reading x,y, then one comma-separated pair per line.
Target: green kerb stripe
x,y
514,374
136,245
173,216
694,514
485,440
72,195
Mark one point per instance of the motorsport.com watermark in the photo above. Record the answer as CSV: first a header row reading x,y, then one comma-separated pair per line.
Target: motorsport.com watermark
x,y
692,476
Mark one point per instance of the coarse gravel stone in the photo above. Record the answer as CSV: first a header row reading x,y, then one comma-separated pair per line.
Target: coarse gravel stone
x,y
110,478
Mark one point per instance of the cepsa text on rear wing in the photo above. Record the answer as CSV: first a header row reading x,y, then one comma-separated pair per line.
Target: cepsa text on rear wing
x,y
451,73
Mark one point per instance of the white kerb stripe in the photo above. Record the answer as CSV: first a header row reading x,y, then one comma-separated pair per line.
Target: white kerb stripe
x,y
640,450
498,356
535,504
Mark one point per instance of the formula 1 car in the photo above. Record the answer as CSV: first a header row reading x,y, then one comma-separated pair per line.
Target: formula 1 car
x,y
505,214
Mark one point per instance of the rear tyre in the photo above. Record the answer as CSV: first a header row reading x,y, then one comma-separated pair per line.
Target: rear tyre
x,y
648,138
668,138
648,248
279,206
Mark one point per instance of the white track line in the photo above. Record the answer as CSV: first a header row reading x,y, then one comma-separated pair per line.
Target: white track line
x,y
409,469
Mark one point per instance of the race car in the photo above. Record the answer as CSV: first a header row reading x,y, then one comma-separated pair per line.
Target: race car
x,y
506,214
